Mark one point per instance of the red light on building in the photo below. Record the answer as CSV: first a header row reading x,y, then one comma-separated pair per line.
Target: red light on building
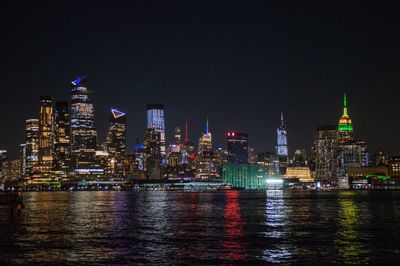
x,y
192,156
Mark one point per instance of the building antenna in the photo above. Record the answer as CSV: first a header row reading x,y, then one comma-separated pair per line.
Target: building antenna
x,y
207,125
186,131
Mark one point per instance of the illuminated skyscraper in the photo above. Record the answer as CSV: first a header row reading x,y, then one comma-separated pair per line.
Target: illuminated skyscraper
x,y
152,154
326,149
237,144
352,153
31,146
282,147
205,141
115,143
155,119
46,155
61,138
83,130
345,124
206,161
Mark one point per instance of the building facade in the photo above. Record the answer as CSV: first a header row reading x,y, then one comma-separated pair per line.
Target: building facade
x,y
155,119
61,139
238,147
115,143
46,123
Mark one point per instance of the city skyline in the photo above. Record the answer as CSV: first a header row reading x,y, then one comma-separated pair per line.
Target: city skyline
x,y
169,138
199,60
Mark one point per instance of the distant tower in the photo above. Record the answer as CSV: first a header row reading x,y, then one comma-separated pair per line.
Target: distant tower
x,y
46,136
178,135
238,147
31,146
155,119
115,143
83,130
345,124
205,141
206,164
282,147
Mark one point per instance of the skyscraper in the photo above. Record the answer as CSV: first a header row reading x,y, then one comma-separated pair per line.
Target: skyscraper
x,y
352,152
115,143
155,119
345,124
282,146
46,123
206,161
326,148
152,154
237,145
83,140
83,130
61,138
31,146
205,141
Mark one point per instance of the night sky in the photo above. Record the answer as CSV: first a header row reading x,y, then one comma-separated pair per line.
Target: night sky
x,y
239,63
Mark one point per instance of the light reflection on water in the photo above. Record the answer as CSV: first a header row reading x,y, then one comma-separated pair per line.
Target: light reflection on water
x,y
228,227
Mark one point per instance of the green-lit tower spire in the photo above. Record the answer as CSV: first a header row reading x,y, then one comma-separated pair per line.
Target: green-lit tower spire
x,y
345,124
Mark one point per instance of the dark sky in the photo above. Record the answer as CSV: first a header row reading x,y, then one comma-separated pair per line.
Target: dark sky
x,y
239,63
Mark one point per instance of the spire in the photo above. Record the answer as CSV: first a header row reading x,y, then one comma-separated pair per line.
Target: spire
x,y
345,104
282,125
207,125
345,123
186,131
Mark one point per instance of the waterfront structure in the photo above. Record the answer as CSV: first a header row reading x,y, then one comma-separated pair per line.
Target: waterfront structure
x,y
61,139
46,124
152,153
83,139
31,146
345,126
282,146
326,148
115,143
303,173
237,145
155,120
248,176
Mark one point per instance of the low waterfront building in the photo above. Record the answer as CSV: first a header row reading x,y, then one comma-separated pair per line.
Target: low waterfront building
x,y
249,176
303,173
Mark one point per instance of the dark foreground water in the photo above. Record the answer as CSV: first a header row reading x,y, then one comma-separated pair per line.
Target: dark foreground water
x,y
229,227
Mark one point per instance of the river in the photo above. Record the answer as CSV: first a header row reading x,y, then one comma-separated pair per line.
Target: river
x,y
226,227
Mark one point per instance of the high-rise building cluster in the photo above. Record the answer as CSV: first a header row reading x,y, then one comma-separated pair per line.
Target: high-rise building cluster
x,y
61,146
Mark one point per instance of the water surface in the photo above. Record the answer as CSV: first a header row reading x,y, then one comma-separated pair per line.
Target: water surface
x,y
231,227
